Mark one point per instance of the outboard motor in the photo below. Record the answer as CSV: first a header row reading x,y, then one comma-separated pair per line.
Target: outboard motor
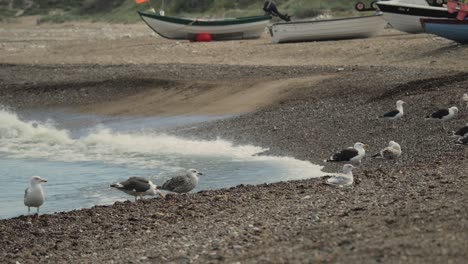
x,y
270,8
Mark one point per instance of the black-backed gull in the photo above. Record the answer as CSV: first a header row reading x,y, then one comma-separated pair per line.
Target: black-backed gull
x,y
443,115
351,155
395,114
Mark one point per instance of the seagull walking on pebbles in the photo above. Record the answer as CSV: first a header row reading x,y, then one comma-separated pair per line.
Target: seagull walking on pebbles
x,y
395,114
351,155
34,194
138,187
443,115
344,179
393,151
184,183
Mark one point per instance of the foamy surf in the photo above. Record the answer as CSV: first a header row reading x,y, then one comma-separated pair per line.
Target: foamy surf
x,y
88,163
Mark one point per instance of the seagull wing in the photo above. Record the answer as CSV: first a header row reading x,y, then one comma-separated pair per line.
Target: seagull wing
x,y
173,183
439,114
391,113
137,184
345,155
462,131
338,180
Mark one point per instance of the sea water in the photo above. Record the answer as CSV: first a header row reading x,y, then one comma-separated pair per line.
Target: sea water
x,y
81,155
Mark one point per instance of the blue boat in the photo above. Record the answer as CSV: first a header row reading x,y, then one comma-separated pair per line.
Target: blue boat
x,y
452,29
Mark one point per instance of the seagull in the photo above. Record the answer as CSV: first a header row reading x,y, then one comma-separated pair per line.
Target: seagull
x,y
393,151
465,100
463,140
138,187
351,155
34,195
461,132
182,184
443,115
344,179
395,114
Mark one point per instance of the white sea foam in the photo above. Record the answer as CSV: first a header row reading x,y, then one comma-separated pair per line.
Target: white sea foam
x,y
33,139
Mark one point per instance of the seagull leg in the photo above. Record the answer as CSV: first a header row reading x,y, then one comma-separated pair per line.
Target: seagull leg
x,y
29,210
393,124
443,125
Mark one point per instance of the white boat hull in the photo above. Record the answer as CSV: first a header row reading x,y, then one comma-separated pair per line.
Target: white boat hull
x,y
222,32
333,29
406,16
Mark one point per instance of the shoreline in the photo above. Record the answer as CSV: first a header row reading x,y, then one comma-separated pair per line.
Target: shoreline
x,y
414,210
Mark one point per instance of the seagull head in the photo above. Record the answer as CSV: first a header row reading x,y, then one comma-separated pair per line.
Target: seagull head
x,y
465,97
400,103
454,109
194,172
360,145
347,168
37,180
394,145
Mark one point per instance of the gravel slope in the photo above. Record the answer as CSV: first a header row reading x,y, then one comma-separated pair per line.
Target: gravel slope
x,y
413,211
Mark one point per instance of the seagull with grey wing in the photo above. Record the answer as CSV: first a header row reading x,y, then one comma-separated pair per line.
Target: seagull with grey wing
x,y
138,187
342,179
183,183
34,194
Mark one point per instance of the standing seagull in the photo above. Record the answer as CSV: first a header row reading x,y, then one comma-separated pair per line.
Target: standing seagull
x,y
465,100
344,179
34,195
351,155
393,151
182,184
138,187
396,113
443,115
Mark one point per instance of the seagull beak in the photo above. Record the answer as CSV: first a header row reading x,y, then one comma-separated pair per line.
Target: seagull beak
x,y
43,180
200,173
366,147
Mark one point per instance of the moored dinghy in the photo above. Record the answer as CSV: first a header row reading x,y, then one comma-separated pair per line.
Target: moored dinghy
x,y
219,29
329,29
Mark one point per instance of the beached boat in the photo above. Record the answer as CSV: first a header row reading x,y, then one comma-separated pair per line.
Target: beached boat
x,y
219,29
452,29
405,15
328,29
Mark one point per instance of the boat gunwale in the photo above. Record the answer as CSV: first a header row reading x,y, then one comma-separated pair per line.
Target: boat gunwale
x,y
324,20
443,21
206,23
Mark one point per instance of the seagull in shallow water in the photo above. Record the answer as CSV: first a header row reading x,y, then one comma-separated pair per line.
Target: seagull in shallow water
x,y
34,195
342,179
395,114
184,183
351,155
138,187
393,151
443,115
